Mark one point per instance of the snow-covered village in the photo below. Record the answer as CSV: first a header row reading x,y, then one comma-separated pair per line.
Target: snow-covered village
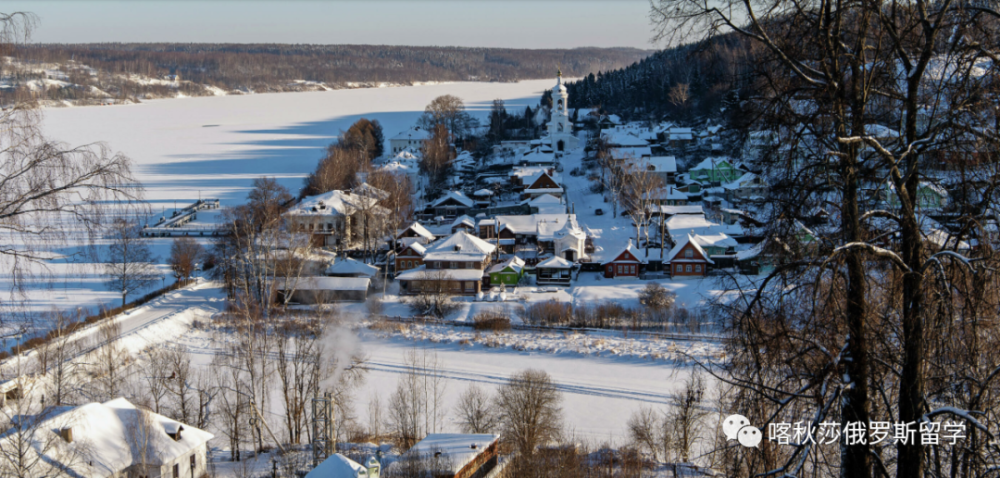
x,y
637,239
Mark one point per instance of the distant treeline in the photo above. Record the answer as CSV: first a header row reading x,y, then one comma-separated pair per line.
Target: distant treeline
x,y
681,83
262,67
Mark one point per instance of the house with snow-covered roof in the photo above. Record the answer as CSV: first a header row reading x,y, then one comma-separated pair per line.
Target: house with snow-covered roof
x,y
715,170
329,217
688,259
412,139
98,440
451,204
416,231
627,263
543,183
553,271
410,256
508,272
455,264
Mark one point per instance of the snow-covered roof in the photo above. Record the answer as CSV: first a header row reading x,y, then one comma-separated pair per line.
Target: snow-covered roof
x,y
631,250
709,163
739,182
324,283
464,219
528,171
456,451
631,152
422,273
515,263
457,196
680,245
352,267
555,262
413,133
338,466
420,230
102,443
620,138
718,239
332,203
483,193
674,210
417,247
662,164
460,246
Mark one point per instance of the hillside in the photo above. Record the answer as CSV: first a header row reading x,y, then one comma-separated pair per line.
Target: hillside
x,y
680,83
126,72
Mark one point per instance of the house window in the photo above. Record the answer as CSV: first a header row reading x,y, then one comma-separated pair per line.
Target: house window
x,y
456,265
687,268
620,269
469,286
680,268
631,269
177,470
688,253
697,268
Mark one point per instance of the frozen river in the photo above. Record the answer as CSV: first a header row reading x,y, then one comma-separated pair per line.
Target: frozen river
x,y
215,146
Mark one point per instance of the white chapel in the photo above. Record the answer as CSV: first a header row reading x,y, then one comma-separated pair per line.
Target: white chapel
x,y
560,127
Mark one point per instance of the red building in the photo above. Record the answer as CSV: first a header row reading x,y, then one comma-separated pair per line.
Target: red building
x,y
688,259
626,263
411,257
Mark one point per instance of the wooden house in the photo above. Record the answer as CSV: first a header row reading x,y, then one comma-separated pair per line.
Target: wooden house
x,y
452,204
449,455
411,257
455,265
553,271
688,259
625,264
507,273
541,184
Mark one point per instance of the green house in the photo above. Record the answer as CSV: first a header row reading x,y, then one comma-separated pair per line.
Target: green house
x,y
508,273
929,196
715,170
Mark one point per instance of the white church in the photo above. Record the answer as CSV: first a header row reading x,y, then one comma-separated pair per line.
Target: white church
x,y
560,127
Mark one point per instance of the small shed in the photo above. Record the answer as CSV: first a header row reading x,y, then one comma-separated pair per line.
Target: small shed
x,y
324,290
508,273
553,271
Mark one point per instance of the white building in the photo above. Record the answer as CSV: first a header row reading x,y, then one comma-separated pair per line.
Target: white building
x,y
560,127
111,439
412,139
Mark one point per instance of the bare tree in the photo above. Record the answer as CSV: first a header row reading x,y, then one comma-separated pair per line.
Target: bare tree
x,y
177,361
436,156
129,263
154,369
639,190
300,368
448,111
184,254
109,363
475,411
375,418
51,192
529,406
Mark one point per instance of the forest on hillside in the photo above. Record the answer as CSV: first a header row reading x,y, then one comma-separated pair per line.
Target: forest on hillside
x,y
682,83
264,66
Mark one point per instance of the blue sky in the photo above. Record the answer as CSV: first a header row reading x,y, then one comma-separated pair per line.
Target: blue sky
x,y
486,23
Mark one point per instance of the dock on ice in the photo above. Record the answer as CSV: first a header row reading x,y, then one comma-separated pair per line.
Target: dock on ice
x,y
176,224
